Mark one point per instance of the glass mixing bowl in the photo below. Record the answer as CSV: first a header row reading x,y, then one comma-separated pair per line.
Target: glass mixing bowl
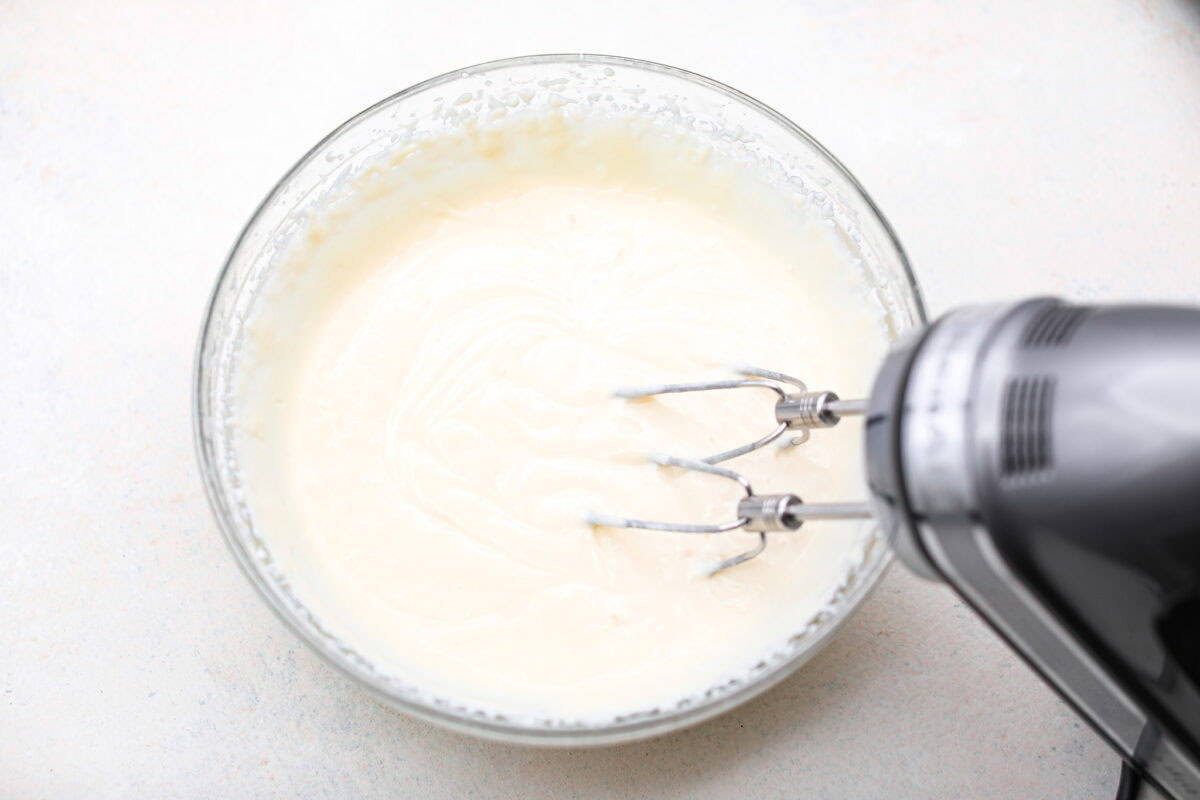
x,y
723,117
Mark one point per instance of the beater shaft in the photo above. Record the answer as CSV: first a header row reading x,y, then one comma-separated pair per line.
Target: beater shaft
x,y
849,408
832,511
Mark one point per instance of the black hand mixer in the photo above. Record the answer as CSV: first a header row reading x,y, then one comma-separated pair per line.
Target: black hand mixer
x,y
1044,460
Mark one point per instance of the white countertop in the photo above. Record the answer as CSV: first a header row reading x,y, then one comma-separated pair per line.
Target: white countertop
x,y
1017,148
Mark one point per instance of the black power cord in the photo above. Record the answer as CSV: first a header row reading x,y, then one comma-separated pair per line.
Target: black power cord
x,y
1131,783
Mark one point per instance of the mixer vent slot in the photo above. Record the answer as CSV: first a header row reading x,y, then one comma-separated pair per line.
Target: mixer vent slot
x,y
1053,326
1028,402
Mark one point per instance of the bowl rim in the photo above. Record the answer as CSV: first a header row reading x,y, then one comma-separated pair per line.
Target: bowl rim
x,y
617,732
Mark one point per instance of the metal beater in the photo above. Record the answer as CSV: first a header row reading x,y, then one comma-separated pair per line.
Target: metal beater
x,y
797,410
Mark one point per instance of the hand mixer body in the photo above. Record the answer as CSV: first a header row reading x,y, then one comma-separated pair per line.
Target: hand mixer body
x,y
1044,460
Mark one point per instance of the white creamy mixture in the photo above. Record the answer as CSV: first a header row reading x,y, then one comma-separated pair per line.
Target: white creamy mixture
x,y
424,414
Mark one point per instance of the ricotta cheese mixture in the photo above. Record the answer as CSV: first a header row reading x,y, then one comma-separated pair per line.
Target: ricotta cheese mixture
x,y
424,413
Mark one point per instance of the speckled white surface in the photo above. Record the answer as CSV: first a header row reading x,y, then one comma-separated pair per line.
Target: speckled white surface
x,y
1017,148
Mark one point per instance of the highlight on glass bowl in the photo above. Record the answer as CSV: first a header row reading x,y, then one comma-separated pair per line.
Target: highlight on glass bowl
x,y
405,409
